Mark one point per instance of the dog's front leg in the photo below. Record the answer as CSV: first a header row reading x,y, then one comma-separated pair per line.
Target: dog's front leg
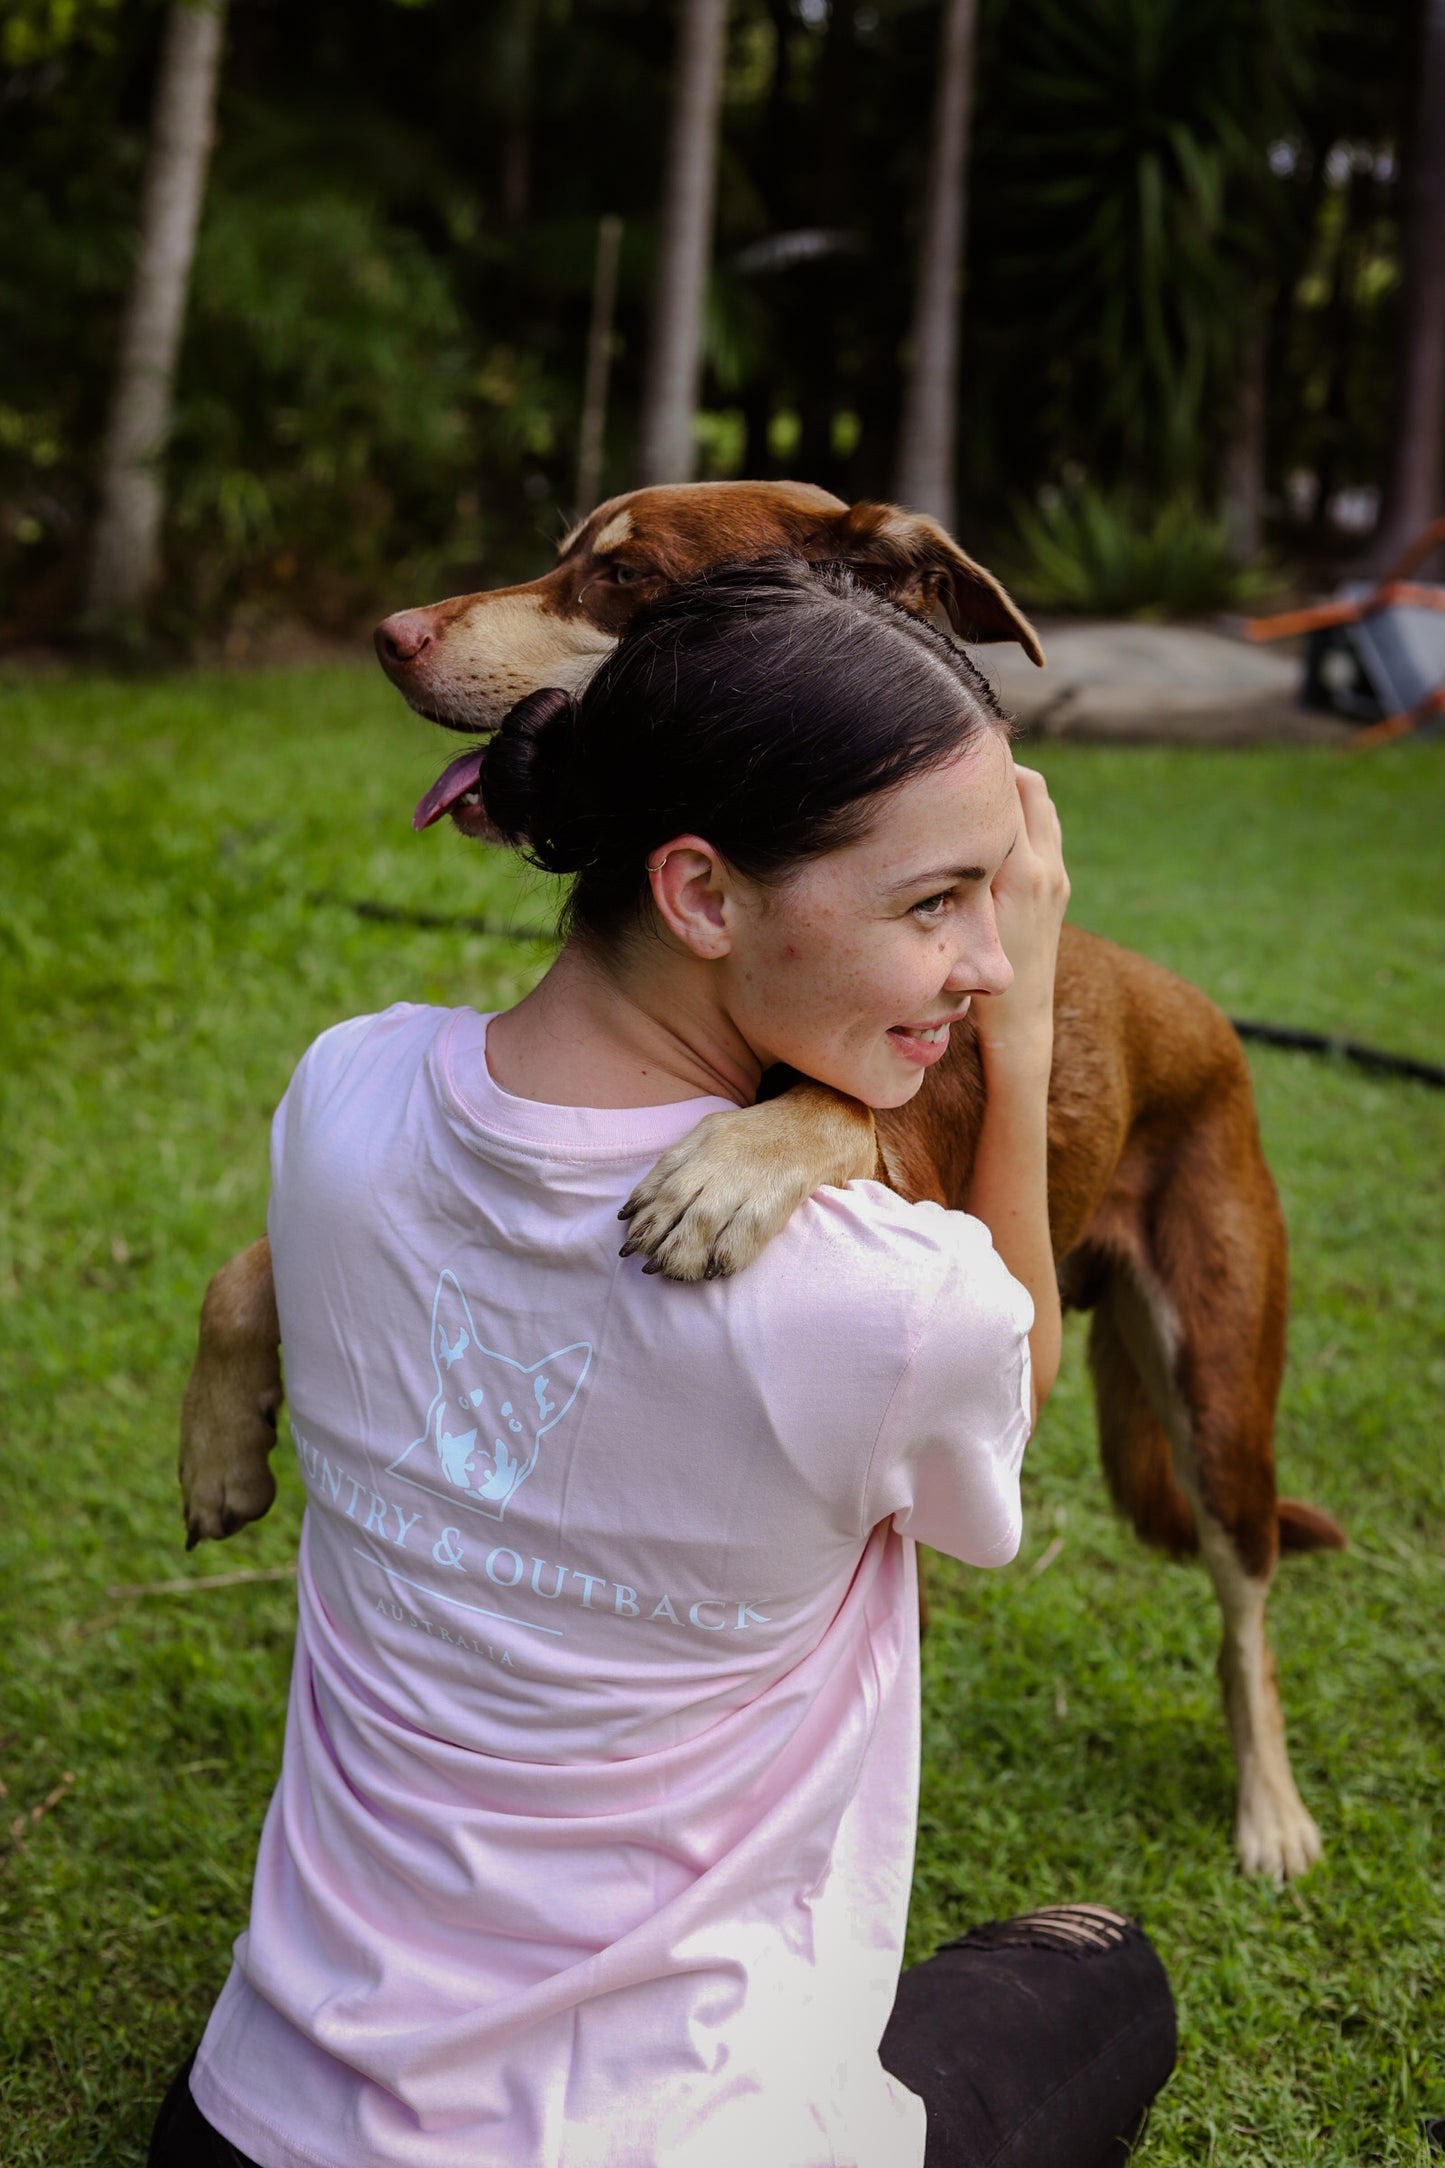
x,y
716,1199
228,1416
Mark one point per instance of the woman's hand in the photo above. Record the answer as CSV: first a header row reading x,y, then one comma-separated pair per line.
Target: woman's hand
x,y
1009,1188
1030,894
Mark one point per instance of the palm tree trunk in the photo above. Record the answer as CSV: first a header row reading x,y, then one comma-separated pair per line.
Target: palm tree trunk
x,y
599,365
126,541
1244,450
673,375
928,444
515,60
1413,490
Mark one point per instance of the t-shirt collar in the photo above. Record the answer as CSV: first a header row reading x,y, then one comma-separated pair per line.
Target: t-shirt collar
x,y
477,1103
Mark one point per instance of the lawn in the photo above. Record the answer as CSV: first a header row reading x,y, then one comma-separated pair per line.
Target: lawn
x,y
166,958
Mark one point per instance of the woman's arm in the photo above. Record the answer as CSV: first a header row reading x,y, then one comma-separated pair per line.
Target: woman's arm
x,y
1009,1190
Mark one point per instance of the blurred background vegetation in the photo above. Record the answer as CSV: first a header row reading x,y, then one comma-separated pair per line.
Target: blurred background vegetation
x,y
1180,329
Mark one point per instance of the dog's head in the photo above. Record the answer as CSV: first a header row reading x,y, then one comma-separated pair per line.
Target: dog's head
x,y
465,662
489,1413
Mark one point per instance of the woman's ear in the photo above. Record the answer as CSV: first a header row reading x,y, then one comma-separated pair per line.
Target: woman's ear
x,y
691,883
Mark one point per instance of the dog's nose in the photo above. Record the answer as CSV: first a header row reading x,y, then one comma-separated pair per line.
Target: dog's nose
x,y
400,639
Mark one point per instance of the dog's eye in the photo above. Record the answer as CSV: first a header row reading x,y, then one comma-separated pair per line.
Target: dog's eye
x,y
626,575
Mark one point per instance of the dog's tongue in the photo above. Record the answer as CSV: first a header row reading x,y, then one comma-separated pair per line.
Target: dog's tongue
x,y
453,783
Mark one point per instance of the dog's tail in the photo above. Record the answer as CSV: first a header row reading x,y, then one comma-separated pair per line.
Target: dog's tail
x,y
1306,1528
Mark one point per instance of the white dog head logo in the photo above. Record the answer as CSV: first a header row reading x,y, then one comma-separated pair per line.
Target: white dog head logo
x,y
489,1413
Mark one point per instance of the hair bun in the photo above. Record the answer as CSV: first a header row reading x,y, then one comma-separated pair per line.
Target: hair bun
x,y
525,778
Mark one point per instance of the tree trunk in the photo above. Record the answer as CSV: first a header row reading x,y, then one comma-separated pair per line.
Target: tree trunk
x,y
929,439
673,375
599,365
514,81
1413,489
126,541
820,291
1243,492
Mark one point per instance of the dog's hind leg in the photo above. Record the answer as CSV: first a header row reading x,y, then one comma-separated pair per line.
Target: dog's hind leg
x,y
1138,1461
1186,1431
1274,1831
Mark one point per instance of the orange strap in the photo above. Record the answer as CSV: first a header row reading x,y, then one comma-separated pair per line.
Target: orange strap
x,y
1390,595
1312,619
1399,726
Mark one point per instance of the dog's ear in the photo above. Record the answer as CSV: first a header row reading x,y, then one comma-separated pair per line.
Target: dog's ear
x,y
556,1382
451,1325
910,558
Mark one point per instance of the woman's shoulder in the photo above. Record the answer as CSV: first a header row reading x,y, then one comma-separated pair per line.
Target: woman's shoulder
x,y
865,1248
870,1214
364,1060
384,1034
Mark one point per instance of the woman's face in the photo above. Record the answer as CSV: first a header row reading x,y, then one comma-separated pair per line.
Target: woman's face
x,y
852,969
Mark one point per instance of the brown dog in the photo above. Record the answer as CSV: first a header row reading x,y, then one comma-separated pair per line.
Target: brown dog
x,y
1166,1223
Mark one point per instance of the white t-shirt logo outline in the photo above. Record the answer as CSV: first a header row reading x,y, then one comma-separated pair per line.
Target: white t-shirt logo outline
x,y
457,1465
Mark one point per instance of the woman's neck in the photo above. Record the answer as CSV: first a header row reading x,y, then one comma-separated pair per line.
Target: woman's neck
x,y
600,1032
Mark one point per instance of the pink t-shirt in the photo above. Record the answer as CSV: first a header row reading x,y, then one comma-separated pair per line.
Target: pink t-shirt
x,y
594,1832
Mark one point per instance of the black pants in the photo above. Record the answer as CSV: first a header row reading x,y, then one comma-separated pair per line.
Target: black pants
x,y
1034,2043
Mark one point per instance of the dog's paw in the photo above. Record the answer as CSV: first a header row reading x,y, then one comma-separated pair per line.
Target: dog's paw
x,y
698,1214
225,1466
1275,1834
715,1200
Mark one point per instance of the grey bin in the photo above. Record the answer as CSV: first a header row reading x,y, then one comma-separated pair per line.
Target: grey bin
x,y
1383,664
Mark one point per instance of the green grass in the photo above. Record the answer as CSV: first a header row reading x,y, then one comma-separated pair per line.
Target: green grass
x,y
164,969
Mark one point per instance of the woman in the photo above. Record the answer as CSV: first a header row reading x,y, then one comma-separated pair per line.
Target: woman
x,y
594,1832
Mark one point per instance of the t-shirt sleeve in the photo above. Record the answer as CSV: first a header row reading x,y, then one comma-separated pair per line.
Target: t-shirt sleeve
x,y
324,1060
327,1069
946,1462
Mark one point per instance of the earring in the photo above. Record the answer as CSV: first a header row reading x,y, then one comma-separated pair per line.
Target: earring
x,y
660,863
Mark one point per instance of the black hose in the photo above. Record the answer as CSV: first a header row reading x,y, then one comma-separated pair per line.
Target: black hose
x,y
1329,1042
1286,1035
394,914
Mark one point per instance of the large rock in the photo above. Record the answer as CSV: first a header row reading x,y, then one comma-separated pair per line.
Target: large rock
x,y
1142,684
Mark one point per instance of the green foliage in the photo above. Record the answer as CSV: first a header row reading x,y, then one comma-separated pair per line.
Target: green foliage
x,y
329,407
400,230
160,969
1332,385
1129,212
63,211
348,432
1111,555
40,30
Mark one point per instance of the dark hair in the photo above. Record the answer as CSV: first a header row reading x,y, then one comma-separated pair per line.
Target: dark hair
x,y
761,707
